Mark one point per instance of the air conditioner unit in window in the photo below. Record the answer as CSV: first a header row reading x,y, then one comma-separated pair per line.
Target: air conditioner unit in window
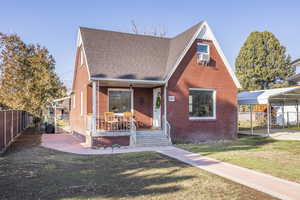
x,y
203,58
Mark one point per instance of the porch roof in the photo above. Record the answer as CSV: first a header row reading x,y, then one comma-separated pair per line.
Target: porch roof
x,y
289,95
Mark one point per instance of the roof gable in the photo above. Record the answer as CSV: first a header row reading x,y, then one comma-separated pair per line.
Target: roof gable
x,y
115,55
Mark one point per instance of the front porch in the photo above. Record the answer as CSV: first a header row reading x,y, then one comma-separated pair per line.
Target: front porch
x,y
118,112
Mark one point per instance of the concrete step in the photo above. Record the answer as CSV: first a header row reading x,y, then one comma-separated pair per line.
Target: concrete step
x,y
147,138
152,145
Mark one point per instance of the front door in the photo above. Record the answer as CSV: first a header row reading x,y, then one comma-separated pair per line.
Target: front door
x,y
157,108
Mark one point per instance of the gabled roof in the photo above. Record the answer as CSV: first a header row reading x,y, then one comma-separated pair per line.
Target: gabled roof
x,y
272,95
116,55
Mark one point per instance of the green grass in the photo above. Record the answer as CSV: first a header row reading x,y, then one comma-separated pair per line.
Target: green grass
x,y
275,157
29,171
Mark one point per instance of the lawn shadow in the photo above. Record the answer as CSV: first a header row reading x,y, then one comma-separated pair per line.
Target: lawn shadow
x,y
33,172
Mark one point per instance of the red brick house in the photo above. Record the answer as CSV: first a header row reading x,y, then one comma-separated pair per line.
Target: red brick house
x,y
142,90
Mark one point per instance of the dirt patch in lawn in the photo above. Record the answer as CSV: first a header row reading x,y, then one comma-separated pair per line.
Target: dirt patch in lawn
x,y
28,172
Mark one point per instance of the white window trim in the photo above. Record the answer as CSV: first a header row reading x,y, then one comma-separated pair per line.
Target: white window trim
x,y
208,49
74,101
81,103
120,89
214,117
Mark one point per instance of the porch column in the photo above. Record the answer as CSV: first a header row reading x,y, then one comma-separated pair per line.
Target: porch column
x,y
94,104
166,126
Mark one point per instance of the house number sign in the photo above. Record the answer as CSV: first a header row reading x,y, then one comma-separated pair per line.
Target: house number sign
x,y
171,98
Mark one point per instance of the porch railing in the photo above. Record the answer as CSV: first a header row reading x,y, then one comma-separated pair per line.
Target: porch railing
x,y
114,124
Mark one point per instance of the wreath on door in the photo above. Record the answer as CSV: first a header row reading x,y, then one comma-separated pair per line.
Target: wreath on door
x,y
158,101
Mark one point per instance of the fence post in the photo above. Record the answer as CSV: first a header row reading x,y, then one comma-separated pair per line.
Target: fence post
x,y
12,125
17,122
4,129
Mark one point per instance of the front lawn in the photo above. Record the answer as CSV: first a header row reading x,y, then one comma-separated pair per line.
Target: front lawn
x,y
276,157
30,172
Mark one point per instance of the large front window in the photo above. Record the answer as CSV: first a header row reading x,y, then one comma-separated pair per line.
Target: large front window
x,y
119,101
202,104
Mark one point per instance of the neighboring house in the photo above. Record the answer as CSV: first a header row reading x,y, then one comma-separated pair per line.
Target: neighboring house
x,y
179,88
295,79
62,107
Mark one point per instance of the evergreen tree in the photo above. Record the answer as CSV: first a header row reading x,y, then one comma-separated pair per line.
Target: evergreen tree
x,y
28,80
262,62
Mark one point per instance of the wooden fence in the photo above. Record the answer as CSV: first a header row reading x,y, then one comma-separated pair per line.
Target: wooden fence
x,y
12,123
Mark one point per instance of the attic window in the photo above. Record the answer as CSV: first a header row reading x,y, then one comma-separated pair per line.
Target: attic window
x,y
202,48
203,56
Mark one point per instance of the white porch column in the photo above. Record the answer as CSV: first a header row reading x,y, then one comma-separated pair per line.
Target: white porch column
x,y
165,112
94,103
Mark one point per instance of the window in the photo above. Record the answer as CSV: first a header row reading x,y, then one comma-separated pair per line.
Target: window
x,y
120,100
202,104
202,48
74,98
81,103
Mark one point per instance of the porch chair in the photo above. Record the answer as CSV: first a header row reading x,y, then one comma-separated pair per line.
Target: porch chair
x,y
110,121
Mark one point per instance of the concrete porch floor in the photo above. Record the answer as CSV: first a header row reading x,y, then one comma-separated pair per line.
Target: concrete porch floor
x,y
69,143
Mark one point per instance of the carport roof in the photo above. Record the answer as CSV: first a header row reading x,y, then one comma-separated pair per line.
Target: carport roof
x,y
278,95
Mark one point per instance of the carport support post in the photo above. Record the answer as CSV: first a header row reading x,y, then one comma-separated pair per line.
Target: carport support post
x,y
297,110
282,110
268,117
251,118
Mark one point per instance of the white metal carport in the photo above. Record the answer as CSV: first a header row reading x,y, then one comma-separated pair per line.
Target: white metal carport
x,y
283,96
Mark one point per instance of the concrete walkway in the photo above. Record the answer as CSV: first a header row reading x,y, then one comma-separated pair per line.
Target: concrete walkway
x,y
276,187
266,183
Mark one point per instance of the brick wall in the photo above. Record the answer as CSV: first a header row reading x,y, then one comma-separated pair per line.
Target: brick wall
x,y
190,74
77,121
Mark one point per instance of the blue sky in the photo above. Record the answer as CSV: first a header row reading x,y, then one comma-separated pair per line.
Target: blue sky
x,y
54,24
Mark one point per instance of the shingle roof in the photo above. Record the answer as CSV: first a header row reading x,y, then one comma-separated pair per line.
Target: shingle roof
x,y
130,56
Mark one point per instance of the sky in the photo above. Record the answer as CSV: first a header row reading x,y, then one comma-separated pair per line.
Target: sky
x,y
54,24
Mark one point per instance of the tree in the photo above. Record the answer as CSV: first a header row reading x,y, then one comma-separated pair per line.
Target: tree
x,y
27,80
158,31
262,62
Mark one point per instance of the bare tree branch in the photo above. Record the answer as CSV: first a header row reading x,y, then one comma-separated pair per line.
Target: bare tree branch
x,y
134,27
157,31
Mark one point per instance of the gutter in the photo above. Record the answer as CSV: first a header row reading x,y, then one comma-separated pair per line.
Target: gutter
x,y
129,80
